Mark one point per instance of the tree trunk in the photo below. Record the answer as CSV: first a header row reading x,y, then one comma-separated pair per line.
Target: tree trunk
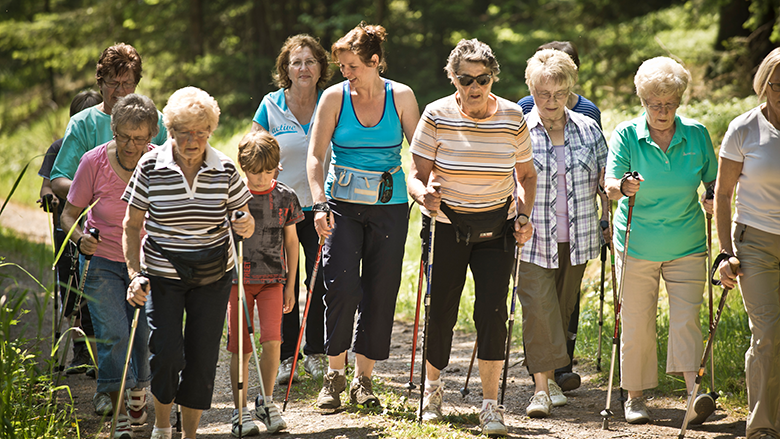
x,y
733,16
196,28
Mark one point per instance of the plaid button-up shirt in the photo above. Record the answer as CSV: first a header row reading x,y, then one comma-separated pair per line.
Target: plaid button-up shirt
x,y
586,157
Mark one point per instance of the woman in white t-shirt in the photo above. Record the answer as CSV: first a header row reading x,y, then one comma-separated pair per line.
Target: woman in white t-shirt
x,y
749,158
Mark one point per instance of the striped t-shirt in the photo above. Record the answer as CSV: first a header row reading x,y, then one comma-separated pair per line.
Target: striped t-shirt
x,y
474,159
182,218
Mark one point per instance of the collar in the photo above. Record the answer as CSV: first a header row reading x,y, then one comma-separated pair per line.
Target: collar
x,y
643,130
165,158
267,191
533,120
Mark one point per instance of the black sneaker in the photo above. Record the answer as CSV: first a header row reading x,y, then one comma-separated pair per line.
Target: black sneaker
x,y
568,381
81,360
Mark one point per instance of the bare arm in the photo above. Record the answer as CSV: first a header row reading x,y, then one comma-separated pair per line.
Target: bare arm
x,y
728,174
409,111
322,132
131,246
257,127
419,185
61,187
70,215
245,226
525,173
291,249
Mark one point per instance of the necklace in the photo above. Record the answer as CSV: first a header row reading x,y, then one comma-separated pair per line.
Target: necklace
x,y
116,150
550,124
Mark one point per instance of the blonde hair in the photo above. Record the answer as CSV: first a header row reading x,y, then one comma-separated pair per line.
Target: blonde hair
x,y
365,41
190,106
661,76
550,65
258,151
475,51
765,70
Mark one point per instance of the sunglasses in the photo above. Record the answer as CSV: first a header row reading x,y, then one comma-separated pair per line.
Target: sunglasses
x,y
386,188
467,80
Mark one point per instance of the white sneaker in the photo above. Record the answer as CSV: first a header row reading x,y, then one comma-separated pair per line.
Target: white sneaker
x,y
556,394
636,411
283,373
431,409
102,403
315,365
248,427
123,429
162,433
271,417
491,420
540,405
136,406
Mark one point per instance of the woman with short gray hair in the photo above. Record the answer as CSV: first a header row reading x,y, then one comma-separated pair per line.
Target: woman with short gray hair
x,y
101,176
673,155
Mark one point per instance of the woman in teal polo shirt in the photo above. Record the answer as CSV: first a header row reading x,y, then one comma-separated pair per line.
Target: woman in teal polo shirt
x,y
673,156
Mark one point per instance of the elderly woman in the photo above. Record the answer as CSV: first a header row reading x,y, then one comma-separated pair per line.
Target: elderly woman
x,y
749,156
673,156
365,118
569,155
184,192
470,153
102,176
301,74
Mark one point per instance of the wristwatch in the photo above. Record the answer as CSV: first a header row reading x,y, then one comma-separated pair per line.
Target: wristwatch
x,y
320,207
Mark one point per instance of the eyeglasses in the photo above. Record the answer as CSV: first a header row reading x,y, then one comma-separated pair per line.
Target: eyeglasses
x,y
467,80
775,86
124,140
192,135
558,95
656,108
386,188
127,85
309,63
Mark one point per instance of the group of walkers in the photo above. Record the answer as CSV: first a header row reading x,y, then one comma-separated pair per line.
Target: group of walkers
x,y
507,188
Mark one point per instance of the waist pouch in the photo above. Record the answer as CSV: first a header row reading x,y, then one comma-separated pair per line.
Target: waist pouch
x,y
197,268
479,227
362,187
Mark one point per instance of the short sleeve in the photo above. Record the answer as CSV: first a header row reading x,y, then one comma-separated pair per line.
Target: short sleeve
x,y
710,168
619,157
49,158
137,190
161,136
82,189
294,212
73,146
238,193
424,142
523,147
731,147
261,115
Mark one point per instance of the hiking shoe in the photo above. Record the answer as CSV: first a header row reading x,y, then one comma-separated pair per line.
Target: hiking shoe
x,y
361,392
540,405
703,407
568,381
162,433
491,420
136,406
92,372
248,427
81,360
102,403
271,417
316,365
557,397
431,409
123,429
332,386
283,373
636,411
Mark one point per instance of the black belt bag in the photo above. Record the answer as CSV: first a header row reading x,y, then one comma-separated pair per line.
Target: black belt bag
x,y
200,267
479,227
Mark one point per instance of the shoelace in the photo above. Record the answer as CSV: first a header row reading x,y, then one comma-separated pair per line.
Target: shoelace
x,y
490,414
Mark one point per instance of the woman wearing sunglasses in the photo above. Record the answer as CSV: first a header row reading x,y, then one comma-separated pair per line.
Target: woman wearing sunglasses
x,y
360,208
471,164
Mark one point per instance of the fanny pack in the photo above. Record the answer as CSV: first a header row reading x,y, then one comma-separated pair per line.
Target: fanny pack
x,y
200,267
362,187
479,227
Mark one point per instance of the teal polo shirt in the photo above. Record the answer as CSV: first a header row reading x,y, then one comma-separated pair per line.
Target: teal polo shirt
x,y
667,222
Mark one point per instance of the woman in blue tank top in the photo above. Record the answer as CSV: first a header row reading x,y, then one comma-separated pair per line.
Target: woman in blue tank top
x,y
360,208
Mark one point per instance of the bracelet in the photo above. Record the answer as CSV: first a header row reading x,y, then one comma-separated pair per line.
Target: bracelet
x,y
139,274
623,180
522,214
320,207
78,244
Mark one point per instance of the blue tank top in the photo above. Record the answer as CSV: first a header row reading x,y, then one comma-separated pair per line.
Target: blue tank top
x,y
376,148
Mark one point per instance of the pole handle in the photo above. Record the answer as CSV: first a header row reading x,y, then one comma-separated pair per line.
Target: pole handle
x,y
95,234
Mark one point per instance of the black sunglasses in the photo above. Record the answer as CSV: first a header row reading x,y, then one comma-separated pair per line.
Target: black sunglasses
x,y
466,80
386,187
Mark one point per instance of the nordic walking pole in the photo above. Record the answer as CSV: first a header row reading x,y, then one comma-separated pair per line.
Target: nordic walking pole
x,y
303,322
251,330
48,206
709,195
465,390
239,264
410,385
429,271
523,220
77,306
613,272
607,412
604,226
136,315
734,266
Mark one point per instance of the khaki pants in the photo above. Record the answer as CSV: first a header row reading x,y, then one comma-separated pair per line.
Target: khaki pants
x,y
684,278
759,256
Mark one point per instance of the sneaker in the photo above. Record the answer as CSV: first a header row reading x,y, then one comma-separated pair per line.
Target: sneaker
x,y
568,381
123,429
557,397
361,392
92,372
102,403
703,407
162,433
636,411
248,427
431,409
316,365
283,374
491,420
81,360
136,406
332,386
540,405
271,417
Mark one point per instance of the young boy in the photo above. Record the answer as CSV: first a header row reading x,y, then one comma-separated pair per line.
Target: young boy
x,y
270,264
